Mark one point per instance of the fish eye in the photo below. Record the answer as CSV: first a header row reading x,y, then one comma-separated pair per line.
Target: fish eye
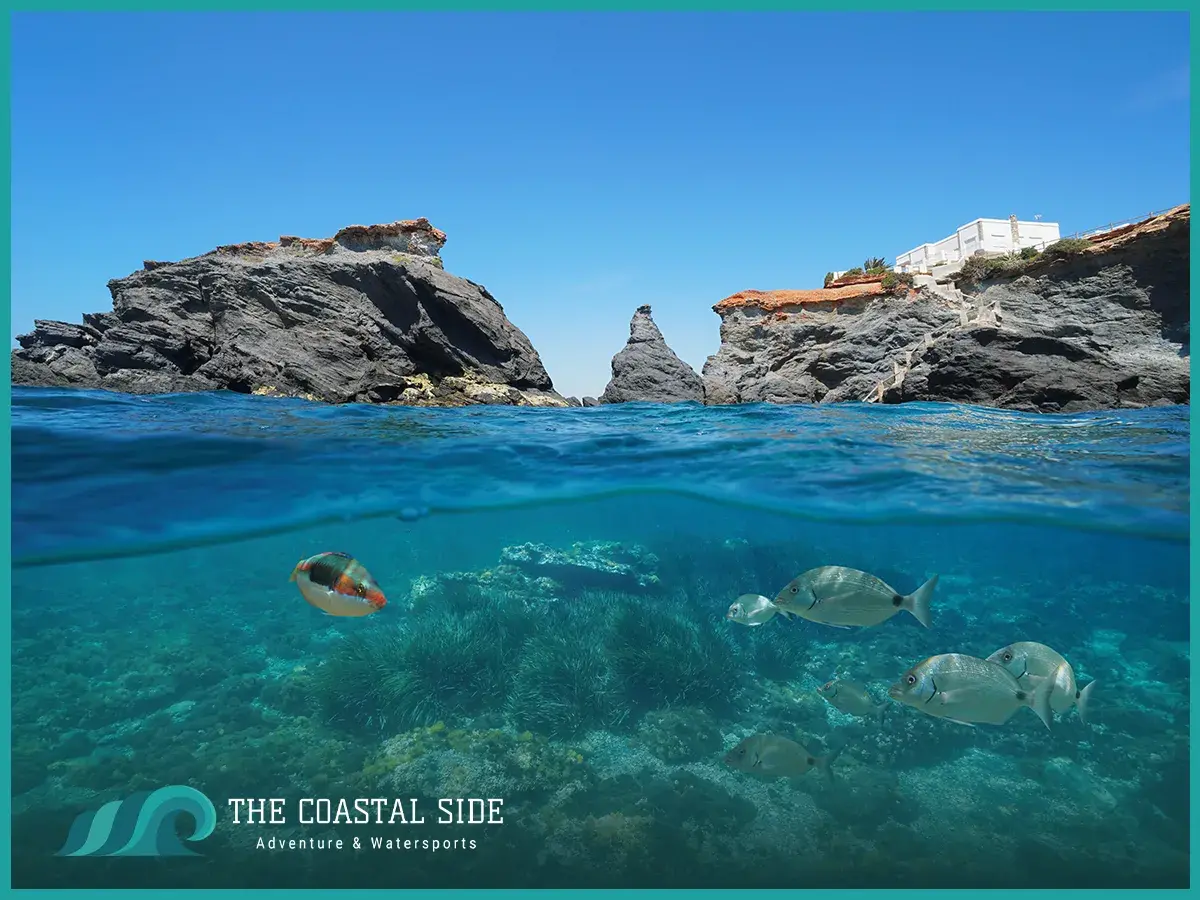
x,y
911,679
360,589
795,590
1008,657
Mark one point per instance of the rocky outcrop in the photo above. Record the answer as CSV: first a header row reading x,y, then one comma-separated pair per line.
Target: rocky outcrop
x,y
368,315
1104,326
647,370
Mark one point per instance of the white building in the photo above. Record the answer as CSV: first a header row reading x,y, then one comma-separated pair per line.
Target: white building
x,y
983,237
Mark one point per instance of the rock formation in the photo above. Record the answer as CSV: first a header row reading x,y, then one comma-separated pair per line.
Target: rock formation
x,y
647,370
368,315
1101,327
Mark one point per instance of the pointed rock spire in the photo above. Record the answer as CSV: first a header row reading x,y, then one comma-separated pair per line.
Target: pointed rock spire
x,y
648,371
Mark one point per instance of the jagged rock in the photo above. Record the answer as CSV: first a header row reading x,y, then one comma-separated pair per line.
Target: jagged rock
x,y
598,564
647,370
590,401
1104,328
368,315
539,574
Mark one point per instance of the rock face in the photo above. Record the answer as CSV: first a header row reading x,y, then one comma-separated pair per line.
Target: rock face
x,y
368,315
647,370
1104,327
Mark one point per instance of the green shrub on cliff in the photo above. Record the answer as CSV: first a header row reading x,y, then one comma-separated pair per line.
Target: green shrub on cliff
x,y
897,283
1067,247
828,278
852,273
981,268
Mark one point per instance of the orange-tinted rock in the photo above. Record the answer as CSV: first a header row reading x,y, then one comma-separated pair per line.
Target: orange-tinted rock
x,y
416,237
771,301
314,245
366,233
1118,236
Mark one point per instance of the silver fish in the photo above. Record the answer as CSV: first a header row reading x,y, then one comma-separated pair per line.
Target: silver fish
x,y
1031,662
836,595
852,698
778,757
751,609
966,689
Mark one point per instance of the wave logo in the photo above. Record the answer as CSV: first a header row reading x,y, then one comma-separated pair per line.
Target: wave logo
x,y
143,824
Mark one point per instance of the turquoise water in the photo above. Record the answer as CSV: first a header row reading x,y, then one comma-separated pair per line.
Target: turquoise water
x,y
555,637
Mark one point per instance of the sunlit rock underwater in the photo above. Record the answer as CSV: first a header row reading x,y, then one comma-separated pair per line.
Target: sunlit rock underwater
x,y
556,636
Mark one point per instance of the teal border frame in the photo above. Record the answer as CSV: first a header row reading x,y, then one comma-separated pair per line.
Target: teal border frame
x,y
464,6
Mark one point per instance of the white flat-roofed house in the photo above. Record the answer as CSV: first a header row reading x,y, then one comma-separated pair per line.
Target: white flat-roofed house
x,y
982,237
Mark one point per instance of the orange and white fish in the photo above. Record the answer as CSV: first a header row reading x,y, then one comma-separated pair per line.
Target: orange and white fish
x,y
338,585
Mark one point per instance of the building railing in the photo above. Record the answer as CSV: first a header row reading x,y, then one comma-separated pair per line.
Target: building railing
x,y
1113,226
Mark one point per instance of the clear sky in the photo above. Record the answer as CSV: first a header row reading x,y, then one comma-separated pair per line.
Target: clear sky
x,y
581,164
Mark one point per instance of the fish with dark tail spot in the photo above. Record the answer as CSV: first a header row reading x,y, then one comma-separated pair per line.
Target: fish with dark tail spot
x,y
844,598
966,689
1031,662
773,756
852,698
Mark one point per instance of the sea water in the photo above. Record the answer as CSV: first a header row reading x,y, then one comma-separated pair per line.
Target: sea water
x,y
548,696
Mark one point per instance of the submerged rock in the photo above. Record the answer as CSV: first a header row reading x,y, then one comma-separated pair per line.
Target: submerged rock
x,y
539,574
647,370
1101,325
594,564
368,315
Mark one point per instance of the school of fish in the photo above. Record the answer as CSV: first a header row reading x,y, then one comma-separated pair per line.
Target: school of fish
x,y
960,688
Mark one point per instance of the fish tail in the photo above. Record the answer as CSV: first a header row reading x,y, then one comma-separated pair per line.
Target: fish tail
x,y
1082,701
917,602
837,745
1040,702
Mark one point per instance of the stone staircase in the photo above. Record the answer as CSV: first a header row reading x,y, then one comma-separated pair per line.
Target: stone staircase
x,y
969,314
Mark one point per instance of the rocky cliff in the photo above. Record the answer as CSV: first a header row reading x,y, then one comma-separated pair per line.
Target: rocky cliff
x,y
368,315
1105,325
647,370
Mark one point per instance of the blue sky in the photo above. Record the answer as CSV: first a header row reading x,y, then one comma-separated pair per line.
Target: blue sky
x,y
581,164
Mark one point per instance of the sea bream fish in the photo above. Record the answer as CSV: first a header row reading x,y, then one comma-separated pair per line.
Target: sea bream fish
x,y
751,610
773,756
852,698
338,585
842,597
966,689
1031,662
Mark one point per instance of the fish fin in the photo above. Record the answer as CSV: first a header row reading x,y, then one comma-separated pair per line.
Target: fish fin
x,y
1082,701
879,711
843,627
296,570
959,722
917,602
1041,700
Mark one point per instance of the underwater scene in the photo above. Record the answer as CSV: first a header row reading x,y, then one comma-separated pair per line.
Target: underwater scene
x,y
270,643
